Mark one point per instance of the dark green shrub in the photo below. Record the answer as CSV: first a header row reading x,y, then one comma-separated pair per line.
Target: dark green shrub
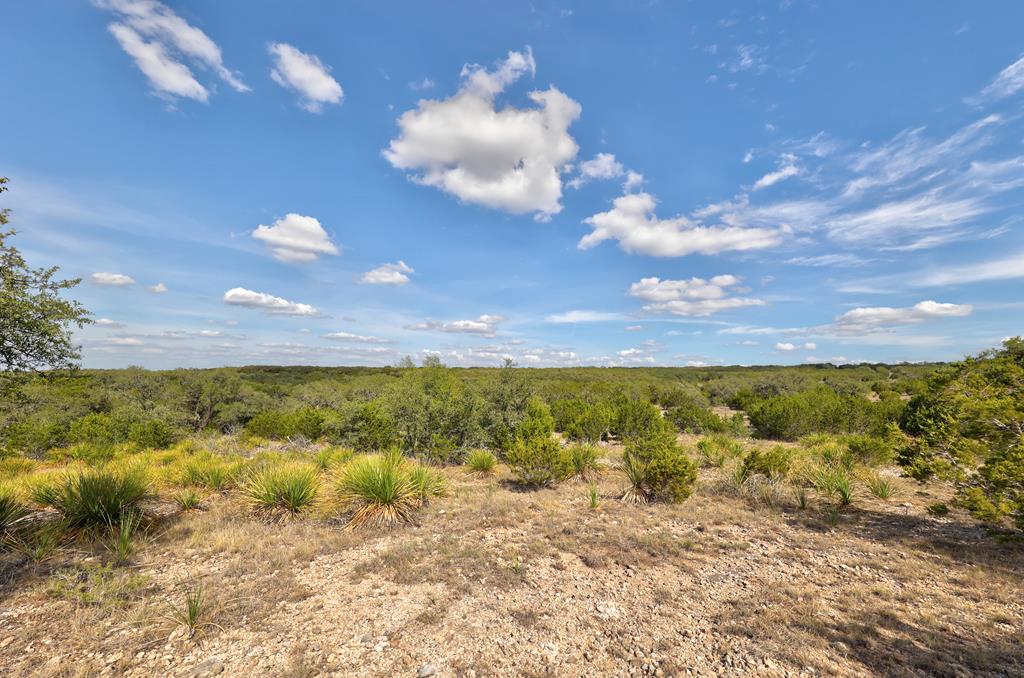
x,y
690,417
637,418
658,469
373,428
305,422
154,434
538,461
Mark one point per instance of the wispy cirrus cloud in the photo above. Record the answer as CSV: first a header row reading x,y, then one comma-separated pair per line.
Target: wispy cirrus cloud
x,y
161,42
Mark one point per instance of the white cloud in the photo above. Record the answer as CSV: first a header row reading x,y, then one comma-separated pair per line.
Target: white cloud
x,y
1009,81
160,42
420,85
124,341
785,346
305,74
810,346
876,318
1007,268
772,178
295,238
239,296
633,223
829,260
604,166
349,337
485,325
388,274
509,159
693,297
107,322
634,180
112,279
578,316
158,288
633,328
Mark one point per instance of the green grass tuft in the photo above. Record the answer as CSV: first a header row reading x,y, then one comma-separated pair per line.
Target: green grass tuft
x,y
94,498
481,462
281,490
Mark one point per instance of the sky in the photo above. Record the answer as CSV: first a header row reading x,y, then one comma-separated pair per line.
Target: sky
x,y
593,183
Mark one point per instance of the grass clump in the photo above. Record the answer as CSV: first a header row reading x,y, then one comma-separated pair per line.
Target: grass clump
x,y
331,457
277,491
481,462
382,490
192,613
834,481
716,450
94,498
188,499
879,486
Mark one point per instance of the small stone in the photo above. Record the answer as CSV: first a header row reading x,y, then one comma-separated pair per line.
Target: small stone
x,y
210,667
426,670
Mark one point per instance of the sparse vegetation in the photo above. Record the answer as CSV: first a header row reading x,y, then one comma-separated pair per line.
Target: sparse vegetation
x,y
94,497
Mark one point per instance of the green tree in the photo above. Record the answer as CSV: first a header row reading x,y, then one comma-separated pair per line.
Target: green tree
x,y
35,320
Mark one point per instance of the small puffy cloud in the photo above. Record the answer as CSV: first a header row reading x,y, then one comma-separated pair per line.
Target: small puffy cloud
x,y
107,322
632,222
112,279
358,338
305,74
239,296
158,288
633,328
786,346
876,318
388,274
124,341
161,43
810,346
578,316
485,325
693,297
510,158
420,85
296,238
604,166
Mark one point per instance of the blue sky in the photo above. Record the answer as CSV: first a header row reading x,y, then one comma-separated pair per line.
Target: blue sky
x,y
609,183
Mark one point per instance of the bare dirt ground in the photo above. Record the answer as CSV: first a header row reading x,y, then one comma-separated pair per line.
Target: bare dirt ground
x,y
496,581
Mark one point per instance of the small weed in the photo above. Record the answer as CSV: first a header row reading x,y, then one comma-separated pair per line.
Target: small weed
x,y
191,614
938,510
593,495
122,542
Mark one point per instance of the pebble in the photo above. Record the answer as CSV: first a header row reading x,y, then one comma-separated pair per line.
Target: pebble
x,y
426,670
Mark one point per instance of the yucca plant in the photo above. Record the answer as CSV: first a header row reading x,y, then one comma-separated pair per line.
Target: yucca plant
x,y
585,464
834,481
94,498
278,491
481,462
636,491
42,544
11,509
378,490
426,483
209,471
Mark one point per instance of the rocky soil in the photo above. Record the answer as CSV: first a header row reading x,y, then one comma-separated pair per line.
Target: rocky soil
x,y
497,582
